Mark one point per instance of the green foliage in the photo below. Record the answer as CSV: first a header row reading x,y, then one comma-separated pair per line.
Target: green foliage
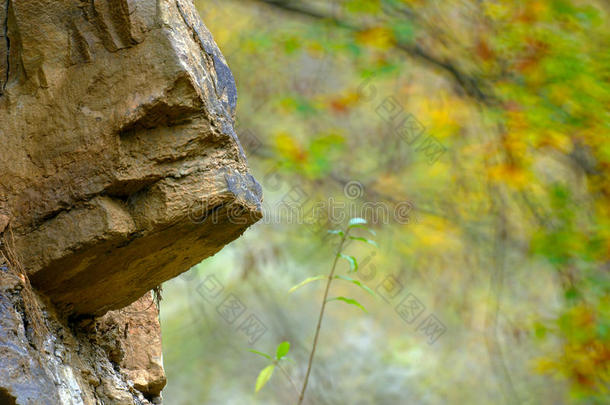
x,y
355,222
356,282
284,347
263,377
266,373
353,263
265,355
307,281
365,240
350,301
282,350
518,92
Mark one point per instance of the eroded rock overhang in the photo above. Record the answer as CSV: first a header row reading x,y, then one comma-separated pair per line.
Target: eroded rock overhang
x,y
121,168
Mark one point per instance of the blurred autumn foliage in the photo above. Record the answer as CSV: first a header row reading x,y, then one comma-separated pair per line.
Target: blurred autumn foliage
x,y
492,118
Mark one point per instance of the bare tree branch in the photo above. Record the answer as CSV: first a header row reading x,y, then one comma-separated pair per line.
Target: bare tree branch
x,y
472,86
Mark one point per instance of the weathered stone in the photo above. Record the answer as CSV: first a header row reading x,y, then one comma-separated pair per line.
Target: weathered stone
x,y
119,169
23,377
3,222
117,360
113,127
136,335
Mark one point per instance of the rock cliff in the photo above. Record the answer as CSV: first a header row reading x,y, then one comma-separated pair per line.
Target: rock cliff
x,y
120,169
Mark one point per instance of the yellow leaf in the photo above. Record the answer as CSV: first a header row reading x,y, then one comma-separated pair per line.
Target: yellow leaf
x,y
544,365
378,37
556,140
287,145
514,176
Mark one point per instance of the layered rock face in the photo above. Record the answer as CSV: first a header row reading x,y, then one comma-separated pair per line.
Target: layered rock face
x,y
114,359
119,170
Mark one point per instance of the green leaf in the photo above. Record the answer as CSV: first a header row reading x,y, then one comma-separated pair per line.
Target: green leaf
x,y
265,355
336,232
350,301
366,229
263,377
365,240
353,264
358,283
306,281
282,350
356,221
403,31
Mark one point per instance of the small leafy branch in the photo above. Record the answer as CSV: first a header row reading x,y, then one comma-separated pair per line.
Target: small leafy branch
x,y
266,373
284,347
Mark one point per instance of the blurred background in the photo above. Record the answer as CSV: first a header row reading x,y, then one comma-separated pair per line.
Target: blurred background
x,y
472,136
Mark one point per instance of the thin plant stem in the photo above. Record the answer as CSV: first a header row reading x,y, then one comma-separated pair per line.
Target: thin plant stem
x,y
321,317
283,370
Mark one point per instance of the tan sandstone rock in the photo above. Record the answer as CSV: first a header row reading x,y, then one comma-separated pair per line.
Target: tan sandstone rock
x,y
133,339
3,222
119,169
116,119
